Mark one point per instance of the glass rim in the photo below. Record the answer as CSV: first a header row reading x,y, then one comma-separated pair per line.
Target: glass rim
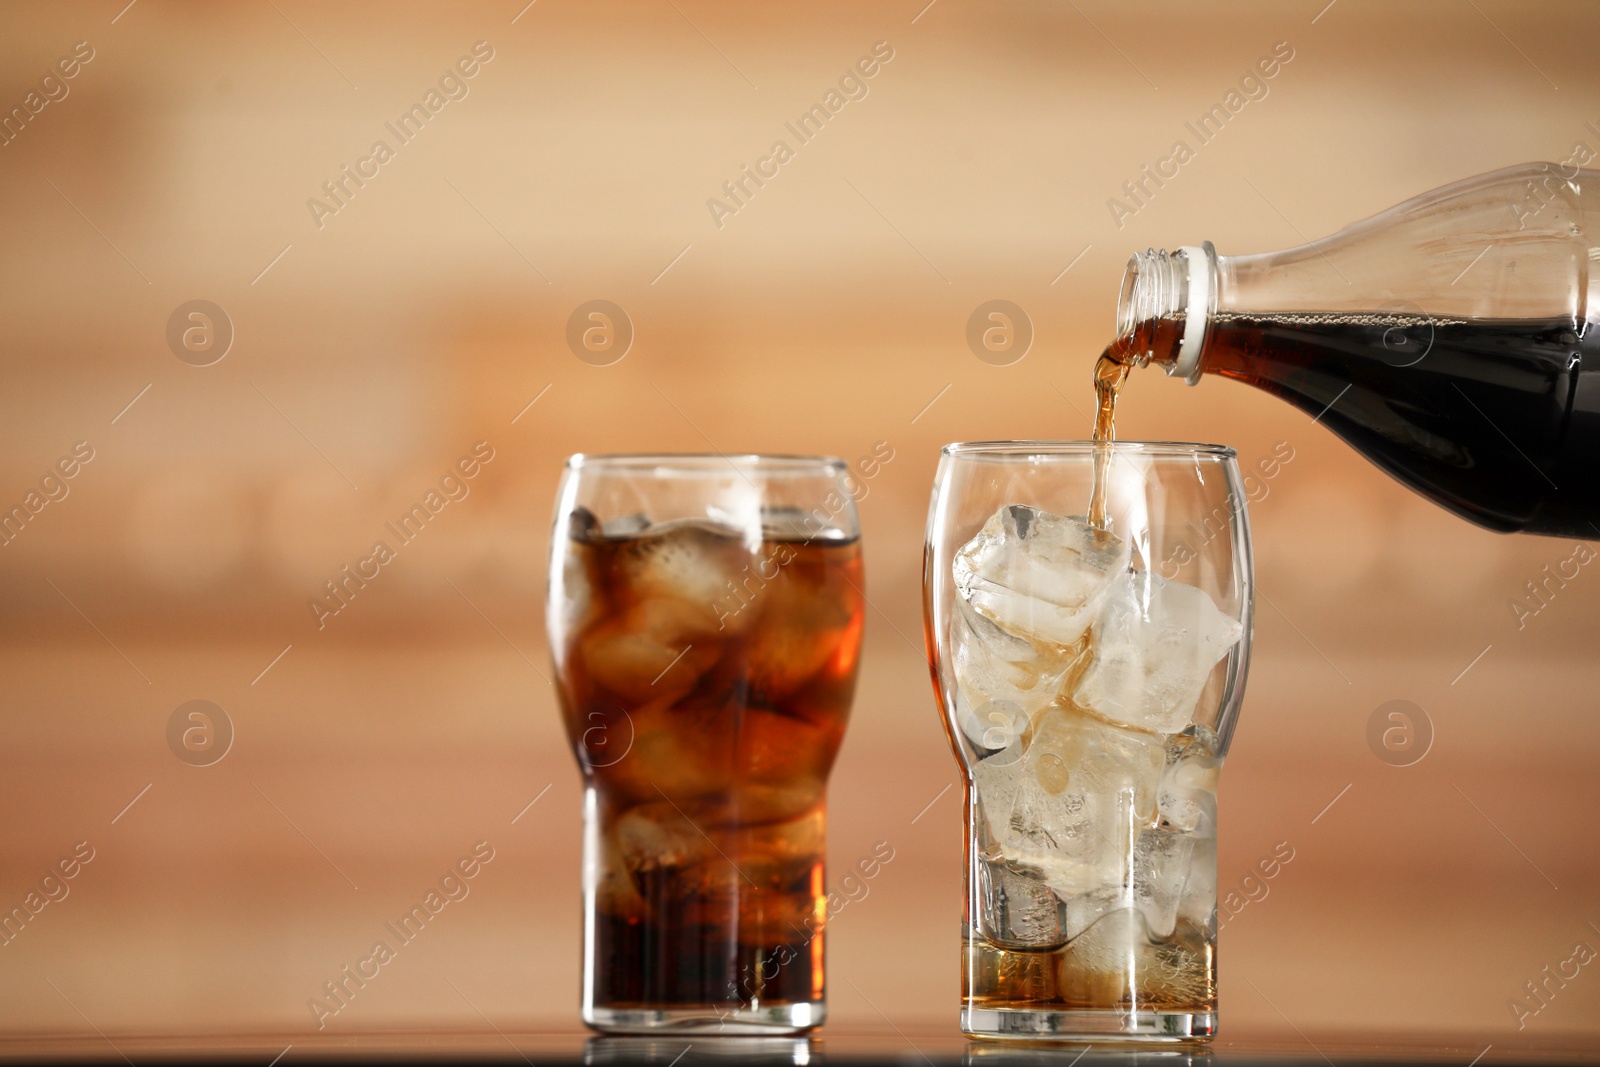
x,y
1080,447
707,462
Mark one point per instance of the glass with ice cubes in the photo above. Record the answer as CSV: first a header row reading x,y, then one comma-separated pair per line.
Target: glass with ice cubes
x,y
705,616
1089,680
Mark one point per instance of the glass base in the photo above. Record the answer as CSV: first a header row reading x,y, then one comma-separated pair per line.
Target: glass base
x,y
1096,1026
708,1020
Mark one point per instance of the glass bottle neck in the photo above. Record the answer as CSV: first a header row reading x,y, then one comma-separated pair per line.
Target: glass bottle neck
x,y
1167,301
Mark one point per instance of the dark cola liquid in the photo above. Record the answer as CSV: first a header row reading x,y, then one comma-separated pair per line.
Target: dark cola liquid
x,y
1493,419
706,683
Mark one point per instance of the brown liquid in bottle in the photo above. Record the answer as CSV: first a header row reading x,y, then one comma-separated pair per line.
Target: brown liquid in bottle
x,y
1493,419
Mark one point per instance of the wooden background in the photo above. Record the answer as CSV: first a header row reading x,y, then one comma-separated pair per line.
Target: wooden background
x,y
827,314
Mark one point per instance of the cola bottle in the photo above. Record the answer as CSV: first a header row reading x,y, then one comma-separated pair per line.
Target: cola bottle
x,y
1452,340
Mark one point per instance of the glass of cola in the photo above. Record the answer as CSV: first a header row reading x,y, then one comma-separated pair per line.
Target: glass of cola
x,y
705,616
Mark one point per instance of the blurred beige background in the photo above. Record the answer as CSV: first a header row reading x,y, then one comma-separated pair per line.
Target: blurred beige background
x,y
828,313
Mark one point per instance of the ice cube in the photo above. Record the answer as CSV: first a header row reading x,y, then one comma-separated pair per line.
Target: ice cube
x,y
625,525
660,835
723,763
1188,791
1038,576
654,651
1155,643
680,752
1017,910
1162,880
1116,961
772,860
780,764
1071,809
1198,905
667,592
670,857
806,622
582,524
1102,965
578,606
1184,976
743,874
689,560
799,840
615,893
1157,876
996,780
994,727
1001,680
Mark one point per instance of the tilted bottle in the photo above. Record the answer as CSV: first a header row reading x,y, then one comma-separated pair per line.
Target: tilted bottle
x,y
1453,340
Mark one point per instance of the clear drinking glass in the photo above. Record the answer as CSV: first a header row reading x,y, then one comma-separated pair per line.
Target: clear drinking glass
x,y
705,617
1089,682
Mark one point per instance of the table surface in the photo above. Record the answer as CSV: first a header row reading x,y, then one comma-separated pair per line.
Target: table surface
x,y
834,1045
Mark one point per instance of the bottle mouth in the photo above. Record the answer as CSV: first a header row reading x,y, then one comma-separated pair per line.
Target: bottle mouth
x,y
1152,288
1172,287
